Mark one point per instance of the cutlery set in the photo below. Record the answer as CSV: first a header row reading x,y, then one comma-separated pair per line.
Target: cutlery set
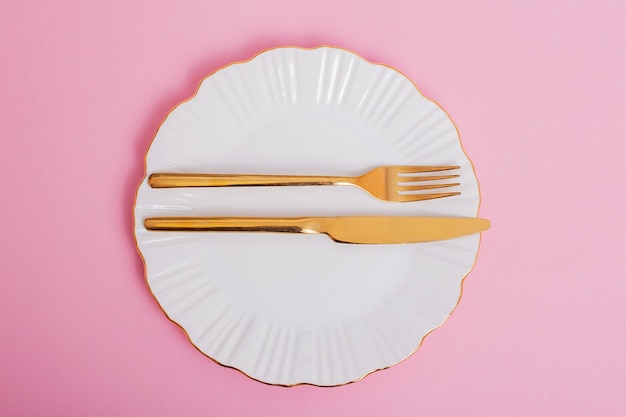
x,y
388,183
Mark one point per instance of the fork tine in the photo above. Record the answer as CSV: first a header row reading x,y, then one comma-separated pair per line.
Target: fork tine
x,y
421,197
404,188
409,178
418,169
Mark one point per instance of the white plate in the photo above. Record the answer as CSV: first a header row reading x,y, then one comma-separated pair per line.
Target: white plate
x,y
290,309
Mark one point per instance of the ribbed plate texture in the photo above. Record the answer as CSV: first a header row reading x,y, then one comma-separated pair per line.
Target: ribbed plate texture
x,y
290,309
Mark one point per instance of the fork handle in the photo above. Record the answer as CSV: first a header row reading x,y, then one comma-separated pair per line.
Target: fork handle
x,y
165,180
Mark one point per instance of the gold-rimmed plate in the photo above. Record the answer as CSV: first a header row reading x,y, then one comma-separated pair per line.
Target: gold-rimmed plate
x,y
292,309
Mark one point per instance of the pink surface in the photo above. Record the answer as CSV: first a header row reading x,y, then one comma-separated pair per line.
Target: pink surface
x,y
538,93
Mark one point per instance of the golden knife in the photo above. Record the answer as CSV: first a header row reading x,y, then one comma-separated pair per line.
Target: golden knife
x,y
364,229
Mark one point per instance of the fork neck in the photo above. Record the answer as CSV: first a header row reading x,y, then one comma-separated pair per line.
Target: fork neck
x,y
325,180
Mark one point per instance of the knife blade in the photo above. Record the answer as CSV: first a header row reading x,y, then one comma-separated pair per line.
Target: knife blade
x,y
357,229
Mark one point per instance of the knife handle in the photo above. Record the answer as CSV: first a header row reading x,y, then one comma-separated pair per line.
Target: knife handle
x,y
164,180
232,224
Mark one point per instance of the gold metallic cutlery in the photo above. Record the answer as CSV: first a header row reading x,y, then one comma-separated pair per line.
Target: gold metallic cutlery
x,y
389,183
365,229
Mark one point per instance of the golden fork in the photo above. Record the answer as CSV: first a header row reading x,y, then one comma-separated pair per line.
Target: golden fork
x,y
389,183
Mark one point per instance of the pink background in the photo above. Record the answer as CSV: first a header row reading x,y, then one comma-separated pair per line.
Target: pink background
x,y
538,92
